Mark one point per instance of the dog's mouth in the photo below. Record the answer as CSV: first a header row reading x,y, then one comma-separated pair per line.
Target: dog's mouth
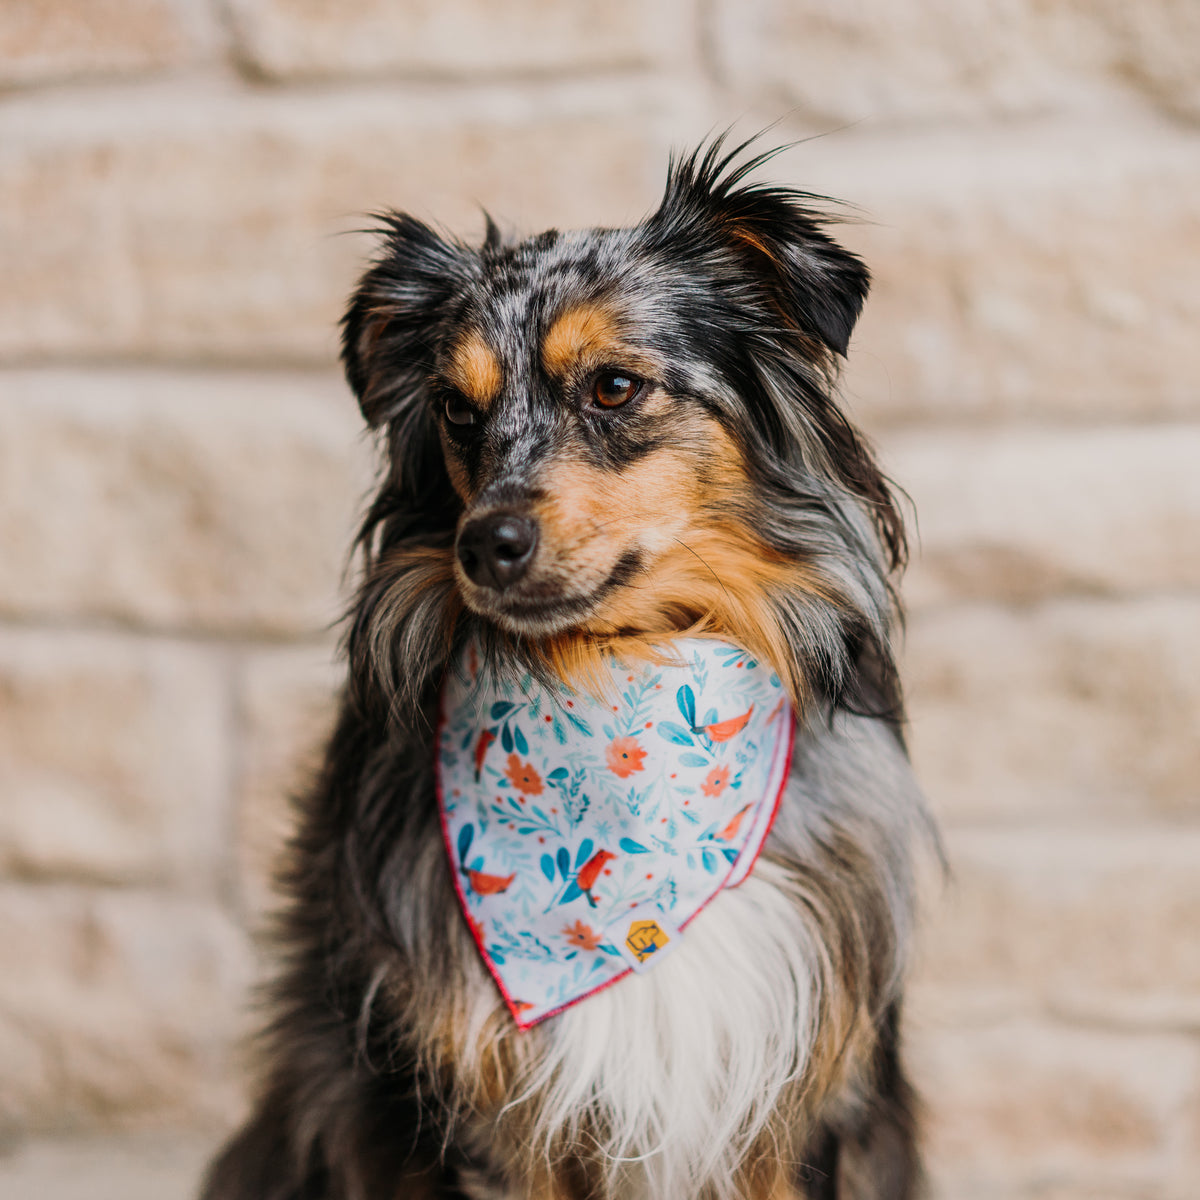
x,y
543,602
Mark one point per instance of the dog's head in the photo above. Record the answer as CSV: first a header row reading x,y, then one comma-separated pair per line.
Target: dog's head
x,y
625,434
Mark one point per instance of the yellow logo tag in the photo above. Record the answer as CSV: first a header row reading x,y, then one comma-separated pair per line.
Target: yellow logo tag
x,y
645,938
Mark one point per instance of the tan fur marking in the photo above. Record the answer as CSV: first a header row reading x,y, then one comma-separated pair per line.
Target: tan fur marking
x,y
475,370
454,468
706,573
751,239
586,331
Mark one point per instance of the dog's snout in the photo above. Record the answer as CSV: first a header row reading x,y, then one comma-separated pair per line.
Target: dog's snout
x,y
496,550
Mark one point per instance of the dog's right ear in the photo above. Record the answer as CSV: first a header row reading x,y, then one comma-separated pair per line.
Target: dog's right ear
x,y
391,330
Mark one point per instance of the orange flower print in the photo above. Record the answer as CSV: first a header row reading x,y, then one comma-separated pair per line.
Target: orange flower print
x,y
716,781
523,776
582,935
624,756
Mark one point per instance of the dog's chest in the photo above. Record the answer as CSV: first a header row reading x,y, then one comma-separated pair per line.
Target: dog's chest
x,y
682,1067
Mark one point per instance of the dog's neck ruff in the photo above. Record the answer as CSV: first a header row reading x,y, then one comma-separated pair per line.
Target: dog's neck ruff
x,y
583,833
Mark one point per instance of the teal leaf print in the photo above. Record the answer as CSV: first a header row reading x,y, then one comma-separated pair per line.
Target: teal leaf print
x,y
575,807
580,724
685,698
710,862
632,847
519,739
585,852
465,836
572,893
558,776
564,861
674,733
548,867
693,760
506,739
501,709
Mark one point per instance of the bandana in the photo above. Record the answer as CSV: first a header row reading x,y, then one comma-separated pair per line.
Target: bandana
x,y
583,833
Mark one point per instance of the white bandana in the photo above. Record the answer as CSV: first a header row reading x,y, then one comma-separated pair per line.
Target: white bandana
x,y
584,834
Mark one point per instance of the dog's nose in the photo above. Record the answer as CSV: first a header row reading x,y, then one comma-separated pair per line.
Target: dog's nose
x,y
496,550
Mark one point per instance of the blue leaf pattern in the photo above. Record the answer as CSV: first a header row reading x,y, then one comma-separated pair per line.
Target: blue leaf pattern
x,y
578,831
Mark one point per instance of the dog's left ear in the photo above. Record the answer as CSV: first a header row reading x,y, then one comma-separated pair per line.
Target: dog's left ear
x,y
815,284
818,285
392,328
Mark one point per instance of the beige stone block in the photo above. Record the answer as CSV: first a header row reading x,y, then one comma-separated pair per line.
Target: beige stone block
x,y
870,60
214,502
1158,45
286,709
44,41
296,38
198,223
114,759
1036,271
1073,710
153,1166
131,999
1030,1110
1095,925
1020,514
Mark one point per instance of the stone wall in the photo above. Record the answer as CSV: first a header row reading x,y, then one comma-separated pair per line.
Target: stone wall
x,y
180,182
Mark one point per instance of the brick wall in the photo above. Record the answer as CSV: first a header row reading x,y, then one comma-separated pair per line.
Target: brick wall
x,y
179,466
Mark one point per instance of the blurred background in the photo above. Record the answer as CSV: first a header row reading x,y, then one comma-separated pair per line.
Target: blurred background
x,y
180,465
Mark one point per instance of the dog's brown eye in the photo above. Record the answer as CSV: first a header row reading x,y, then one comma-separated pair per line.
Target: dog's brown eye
x,y
458,411
612,389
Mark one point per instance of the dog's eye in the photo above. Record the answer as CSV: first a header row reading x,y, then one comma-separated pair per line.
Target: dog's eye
x,y
458,411
612,389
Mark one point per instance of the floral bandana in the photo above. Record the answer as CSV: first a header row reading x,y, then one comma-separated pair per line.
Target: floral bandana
x,y
584,834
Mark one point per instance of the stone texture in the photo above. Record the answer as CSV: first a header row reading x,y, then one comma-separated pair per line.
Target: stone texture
x,y
1080,710
122,1007
1018,515
1094,925
148,1167
299,39
1037,272
201,502
51,40
114,764
954,60
200,224
1029,1110
286,710
1029,194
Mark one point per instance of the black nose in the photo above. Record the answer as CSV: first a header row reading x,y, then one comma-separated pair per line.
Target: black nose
x,y
496,550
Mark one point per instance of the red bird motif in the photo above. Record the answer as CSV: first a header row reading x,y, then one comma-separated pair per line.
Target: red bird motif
x,y
488,885
486,738
587,875
730,831
722,731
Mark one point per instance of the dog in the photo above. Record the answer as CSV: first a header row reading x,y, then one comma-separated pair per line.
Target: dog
x,y
597,444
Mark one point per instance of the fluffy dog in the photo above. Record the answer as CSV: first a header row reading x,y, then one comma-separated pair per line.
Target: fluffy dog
x,y
595,442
